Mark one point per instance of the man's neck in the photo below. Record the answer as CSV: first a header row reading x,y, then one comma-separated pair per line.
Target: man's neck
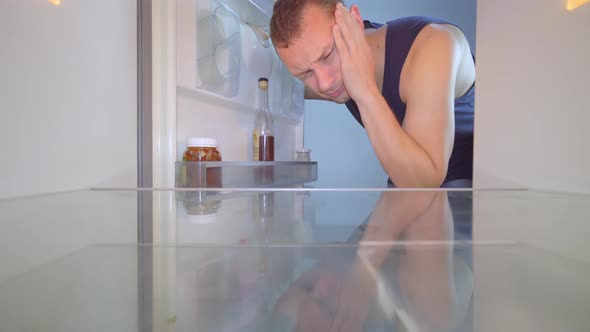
x,y
376,40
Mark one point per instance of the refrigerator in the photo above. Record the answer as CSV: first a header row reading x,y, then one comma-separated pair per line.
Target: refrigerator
x,y
76,109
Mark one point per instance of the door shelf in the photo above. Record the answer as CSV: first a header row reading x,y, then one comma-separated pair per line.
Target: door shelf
x,y
244,174
236,175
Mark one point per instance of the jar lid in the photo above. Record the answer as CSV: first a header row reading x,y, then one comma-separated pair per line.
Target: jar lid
x,y
303,150
202,142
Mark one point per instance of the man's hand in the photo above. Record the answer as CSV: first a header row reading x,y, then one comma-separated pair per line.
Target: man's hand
x,y
358,66
358,290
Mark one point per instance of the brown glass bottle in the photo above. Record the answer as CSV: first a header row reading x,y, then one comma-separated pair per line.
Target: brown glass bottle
x,y
266,146
263,135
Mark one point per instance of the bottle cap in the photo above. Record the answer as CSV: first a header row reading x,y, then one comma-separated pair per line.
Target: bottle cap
x,y
263,83
202,142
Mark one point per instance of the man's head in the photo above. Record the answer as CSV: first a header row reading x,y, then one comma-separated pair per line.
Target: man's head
x,y
302,33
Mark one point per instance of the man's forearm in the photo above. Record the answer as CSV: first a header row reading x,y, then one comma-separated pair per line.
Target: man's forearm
x,y
404,160
394,212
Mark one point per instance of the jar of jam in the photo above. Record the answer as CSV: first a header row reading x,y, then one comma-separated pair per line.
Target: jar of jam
x,y
201,149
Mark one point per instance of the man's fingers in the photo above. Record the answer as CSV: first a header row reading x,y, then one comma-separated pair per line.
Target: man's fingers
x,y
347,18
343,28
340,43
351,33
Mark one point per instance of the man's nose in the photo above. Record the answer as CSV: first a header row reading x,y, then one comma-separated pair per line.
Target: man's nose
x,y
325,79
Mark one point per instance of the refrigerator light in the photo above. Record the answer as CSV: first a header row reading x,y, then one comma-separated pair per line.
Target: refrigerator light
x,y
574,4
55,2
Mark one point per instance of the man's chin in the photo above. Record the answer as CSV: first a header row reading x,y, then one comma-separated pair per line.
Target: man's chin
x,y
341,99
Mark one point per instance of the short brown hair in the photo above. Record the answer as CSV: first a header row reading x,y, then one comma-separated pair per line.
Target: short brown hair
x,y
285,24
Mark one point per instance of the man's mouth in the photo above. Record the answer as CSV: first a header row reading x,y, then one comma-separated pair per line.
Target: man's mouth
x,y
337,93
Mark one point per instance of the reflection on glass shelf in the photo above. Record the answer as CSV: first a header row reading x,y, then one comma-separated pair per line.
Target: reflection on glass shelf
x,y
301,217
409,287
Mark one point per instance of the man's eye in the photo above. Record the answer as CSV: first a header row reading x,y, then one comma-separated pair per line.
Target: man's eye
x,y
331,54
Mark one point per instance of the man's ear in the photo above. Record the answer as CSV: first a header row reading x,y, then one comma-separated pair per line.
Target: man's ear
x,y
356,13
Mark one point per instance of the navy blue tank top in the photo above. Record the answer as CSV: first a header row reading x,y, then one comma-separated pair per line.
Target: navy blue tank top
x,y
400,36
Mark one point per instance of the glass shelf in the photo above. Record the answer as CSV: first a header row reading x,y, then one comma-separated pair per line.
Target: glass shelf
x,y
392,260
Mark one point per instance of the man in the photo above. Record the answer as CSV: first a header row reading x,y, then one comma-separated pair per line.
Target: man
x,y
410,83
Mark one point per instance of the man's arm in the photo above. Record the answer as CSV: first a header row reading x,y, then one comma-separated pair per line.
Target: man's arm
x,y
417,154
394,213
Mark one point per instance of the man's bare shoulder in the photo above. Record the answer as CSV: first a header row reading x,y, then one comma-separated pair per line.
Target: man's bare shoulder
x,y
434,38
437,49
442,40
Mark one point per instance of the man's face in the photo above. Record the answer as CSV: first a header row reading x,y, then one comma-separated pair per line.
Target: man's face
x,y
314,57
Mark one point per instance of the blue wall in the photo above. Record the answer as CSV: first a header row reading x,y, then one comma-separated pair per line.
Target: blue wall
x,y
339,144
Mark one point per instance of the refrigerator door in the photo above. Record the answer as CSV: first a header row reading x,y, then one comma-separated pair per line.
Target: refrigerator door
x,y
206,82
